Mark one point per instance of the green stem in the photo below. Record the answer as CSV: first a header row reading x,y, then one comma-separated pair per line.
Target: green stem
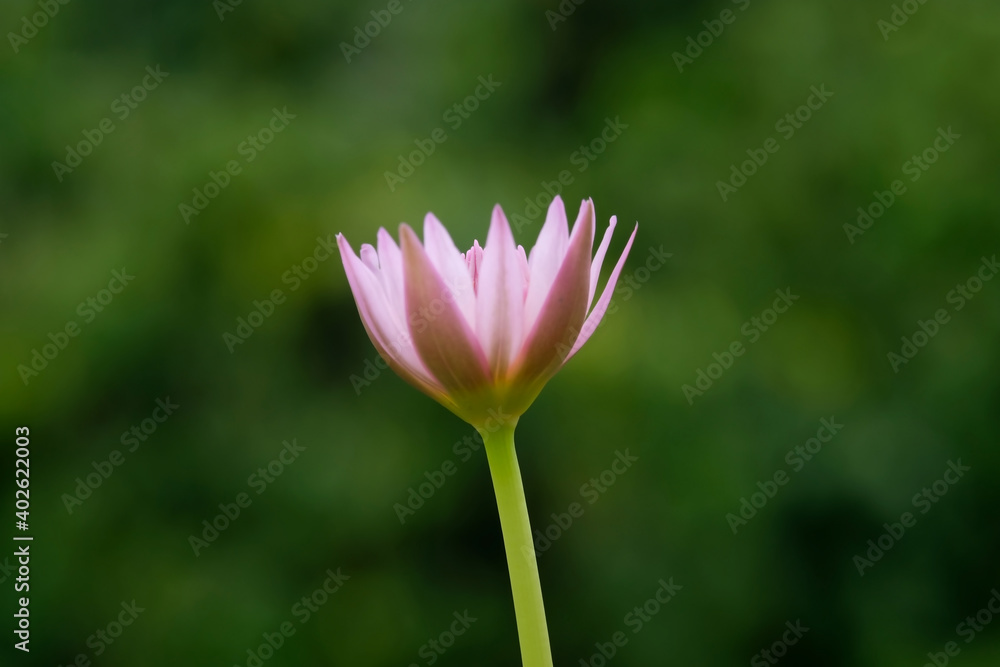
x,y
524,582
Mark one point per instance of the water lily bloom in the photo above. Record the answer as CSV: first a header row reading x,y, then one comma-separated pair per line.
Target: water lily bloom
x,y
481,332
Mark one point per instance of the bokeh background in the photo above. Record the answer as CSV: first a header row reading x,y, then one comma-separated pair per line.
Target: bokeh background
x,y
367,445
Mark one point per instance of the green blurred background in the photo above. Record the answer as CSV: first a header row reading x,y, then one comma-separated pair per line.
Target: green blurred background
x,y
366,446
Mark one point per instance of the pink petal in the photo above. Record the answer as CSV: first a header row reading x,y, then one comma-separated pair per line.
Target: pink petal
x,y
594,319
384,327
555,232
595,268
522,260
500,297
545,259
564,309
369,257
474,260
444,340
450,266
391,270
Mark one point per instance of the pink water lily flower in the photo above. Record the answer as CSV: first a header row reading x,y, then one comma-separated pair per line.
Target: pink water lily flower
x,y
481,332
